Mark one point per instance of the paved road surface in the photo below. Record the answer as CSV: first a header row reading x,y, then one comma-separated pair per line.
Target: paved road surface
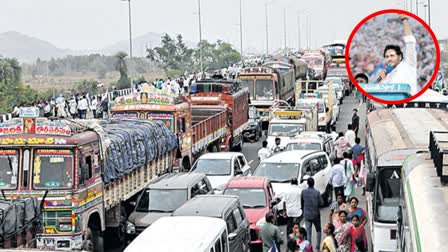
x,y
250,151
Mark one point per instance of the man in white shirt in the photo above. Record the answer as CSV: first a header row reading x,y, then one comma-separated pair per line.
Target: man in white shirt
x,y
404,68
350,135
333,133
83,105
264,152
291,203
338,178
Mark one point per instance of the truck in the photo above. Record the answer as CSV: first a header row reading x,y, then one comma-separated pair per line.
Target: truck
x,y
317,60
267,84
325,114
83,172
198,128
212,94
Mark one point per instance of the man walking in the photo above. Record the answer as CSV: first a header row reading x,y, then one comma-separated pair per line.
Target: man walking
x,y
264,152
350,135
270,234
338,178
311,201
291,204
355,122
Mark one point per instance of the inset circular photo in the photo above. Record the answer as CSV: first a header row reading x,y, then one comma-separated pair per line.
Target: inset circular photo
x,y
393,56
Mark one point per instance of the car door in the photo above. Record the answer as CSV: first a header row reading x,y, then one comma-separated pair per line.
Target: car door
x,y
245,167
242,230
237,169
231,229
322,172
316,171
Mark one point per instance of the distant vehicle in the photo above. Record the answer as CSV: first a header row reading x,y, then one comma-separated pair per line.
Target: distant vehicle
x,y
338,85
325,93
284,166
164,195
313,141
254,130
192,234
226,207
257,198
220,167
341,73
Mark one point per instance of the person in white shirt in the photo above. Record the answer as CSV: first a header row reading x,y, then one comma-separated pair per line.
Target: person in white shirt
x,y
83,105
94,106
291,203
333,133
338,178
350,135
264,152
404,68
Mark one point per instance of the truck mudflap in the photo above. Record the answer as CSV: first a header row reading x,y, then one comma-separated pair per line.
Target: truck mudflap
x,y
64,242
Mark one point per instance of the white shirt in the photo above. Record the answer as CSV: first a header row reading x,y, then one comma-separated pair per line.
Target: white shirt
x,y
292,198
338,175
406,70
82,104
94,104
263,153
334,135
350,136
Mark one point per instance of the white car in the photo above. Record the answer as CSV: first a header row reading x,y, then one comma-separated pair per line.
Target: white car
x,y
300,164
220,167
313,141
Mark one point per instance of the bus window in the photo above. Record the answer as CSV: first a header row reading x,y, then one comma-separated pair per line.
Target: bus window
x,y
388,194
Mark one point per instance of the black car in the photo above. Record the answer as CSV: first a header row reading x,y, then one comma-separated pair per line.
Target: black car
x,y
254,131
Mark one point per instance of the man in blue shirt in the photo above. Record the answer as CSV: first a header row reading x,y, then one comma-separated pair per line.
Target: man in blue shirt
x,y
310,202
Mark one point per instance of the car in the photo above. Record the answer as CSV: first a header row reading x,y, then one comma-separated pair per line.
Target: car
x,y
226,207
338,85
300,164
164,195
324,91
191,233
313,140
220,167
257,198
254,131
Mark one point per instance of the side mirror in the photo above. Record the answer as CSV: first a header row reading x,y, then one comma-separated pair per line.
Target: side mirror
x,y
232,236
370,183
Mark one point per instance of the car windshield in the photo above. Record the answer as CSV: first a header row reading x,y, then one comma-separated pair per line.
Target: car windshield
x,y
303,146
337,72
285,129
212,167
249,197
9,163
264,90
389,188
250,85
53,168
161,200
278,172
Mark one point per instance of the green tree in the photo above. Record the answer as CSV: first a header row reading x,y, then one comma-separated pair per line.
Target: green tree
x,y
121,67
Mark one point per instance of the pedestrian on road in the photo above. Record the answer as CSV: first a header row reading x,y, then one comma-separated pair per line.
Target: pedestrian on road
x,y
342,233
276,148
83,105
264,152
355,122
355,210
73,108
94,106
358,150
350,135
105,108
270,233
350,178
291,204
357,231
342,145
329,243
311,202
333,133
335,208
337,178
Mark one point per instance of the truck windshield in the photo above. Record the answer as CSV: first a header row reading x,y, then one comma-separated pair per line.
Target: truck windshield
x,y
264,90
9,163
161,200
285,129
278,172
303,146
53,168
250,85
249,197
388,194
213,167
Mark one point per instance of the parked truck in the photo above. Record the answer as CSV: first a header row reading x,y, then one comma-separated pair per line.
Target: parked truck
x,y
89,170
198,128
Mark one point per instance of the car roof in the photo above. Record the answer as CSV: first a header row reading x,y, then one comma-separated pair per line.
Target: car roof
x,y
191,232
206,205
176,180
288,156
305,139
248,182
219,155
288,121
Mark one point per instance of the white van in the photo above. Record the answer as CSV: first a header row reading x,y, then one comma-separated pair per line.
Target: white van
x,y
183,233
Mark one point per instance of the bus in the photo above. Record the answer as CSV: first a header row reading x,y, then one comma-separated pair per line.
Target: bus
x,y
393,134
423,202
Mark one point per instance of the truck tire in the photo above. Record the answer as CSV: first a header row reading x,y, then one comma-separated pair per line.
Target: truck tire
x,y
94,241
327,196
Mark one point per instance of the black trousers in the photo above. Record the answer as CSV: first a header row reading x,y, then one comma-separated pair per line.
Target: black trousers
x,y
339,190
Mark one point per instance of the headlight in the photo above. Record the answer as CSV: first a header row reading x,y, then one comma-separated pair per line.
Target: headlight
x,y
261,222
130,228
65,226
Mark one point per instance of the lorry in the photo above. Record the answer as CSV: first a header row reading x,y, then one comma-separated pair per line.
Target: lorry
x,y
267,84
83,172
325,115
213,94
317,60
198,128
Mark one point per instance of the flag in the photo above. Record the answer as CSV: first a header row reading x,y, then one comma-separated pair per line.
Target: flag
x,y
274,248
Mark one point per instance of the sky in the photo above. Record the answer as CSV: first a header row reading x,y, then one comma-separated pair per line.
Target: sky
x,y
91,24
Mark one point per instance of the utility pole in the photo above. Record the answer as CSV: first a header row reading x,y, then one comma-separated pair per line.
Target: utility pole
x,y
130,39
284,27
307,33
241,31
429,13
200,35
267,34
298,30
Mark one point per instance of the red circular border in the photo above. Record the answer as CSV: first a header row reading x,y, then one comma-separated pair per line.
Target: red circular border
x,y
396,11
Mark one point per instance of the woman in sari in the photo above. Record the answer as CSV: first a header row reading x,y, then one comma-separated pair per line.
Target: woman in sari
x,y
355,210
349,175
329,243
357,232
302,242
342,233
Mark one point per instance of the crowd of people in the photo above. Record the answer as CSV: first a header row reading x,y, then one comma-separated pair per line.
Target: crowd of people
x,y
366,50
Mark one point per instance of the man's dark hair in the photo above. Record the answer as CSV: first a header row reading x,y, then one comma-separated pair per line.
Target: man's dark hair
x,y
349,126
341,134
362,75
357,140
265,144
396,48
356,110
292,244
277,139
345,155
269,217
310,182
333,127
294,181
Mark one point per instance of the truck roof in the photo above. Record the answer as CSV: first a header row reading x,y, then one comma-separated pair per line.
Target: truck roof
x,y
207,205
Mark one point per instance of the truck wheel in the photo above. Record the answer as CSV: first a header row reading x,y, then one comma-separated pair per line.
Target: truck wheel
x,y
94,241
327,196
